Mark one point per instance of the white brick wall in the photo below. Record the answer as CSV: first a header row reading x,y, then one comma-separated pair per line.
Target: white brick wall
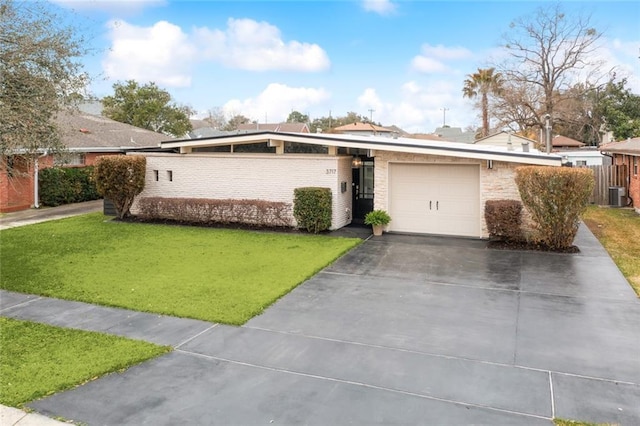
x,y
248,176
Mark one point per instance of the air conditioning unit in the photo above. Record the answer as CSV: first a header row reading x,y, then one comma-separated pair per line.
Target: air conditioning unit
x,y
617,196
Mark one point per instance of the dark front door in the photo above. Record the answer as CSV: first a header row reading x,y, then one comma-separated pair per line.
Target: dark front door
x,y
362,190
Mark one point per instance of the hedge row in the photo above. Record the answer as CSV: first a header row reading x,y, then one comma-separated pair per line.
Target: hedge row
x,y
66,185
211,211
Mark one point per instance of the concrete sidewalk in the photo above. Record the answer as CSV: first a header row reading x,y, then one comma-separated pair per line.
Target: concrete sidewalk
x,y
31,216
10,416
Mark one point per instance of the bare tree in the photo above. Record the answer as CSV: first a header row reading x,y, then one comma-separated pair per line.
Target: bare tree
x,y
548,53
216,118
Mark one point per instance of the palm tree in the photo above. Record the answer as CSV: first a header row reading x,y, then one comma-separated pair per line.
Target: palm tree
x,y
484,82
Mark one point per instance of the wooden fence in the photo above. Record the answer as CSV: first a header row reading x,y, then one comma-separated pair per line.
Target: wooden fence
x,y
605,177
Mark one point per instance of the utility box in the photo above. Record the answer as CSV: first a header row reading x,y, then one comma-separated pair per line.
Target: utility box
x,y
108,209
617,196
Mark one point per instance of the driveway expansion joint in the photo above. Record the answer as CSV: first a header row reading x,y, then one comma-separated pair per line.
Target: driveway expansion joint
x,y
361,384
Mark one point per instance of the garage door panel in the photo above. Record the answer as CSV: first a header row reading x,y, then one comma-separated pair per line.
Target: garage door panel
x,y
435,199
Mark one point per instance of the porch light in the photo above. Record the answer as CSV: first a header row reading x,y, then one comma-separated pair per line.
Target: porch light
x,y
356,163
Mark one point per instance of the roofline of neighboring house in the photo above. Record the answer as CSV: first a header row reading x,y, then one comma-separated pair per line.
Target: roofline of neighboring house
x,y
508,133
417,146
109,149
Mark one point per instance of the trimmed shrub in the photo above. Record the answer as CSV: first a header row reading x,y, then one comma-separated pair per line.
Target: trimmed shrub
x,y
66,185
208,211
555,197
504,219
120,178
312,208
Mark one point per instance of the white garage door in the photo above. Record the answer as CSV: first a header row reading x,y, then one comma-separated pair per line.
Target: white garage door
x,y
435,199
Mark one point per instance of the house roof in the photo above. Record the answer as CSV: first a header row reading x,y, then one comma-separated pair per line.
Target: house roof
x,y
91,133
361,127
383,143
426,136
499,135
629,146
275,127
560,140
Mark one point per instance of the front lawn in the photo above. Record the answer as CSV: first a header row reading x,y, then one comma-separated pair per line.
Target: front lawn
x,y
619,232
218,275
37,360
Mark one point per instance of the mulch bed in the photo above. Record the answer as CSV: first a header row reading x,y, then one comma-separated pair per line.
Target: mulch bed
x,y
528,246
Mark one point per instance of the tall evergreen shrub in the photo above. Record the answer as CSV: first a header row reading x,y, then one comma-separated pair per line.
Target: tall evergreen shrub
x,y
312,208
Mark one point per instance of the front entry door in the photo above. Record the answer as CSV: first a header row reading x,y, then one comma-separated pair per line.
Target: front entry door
x,y
362,190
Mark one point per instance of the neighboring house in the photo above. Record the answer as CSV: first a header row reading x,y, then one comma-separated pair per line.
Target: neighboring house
x,y
274,127
455,134
427,137
363,129
430,187
584,157
508,140
85,137
627,153
562,143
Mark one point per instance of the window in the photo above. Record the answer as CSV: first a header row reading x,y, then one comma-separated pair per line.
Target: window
x,y
170,175
581,163
635,165
155,175
69,159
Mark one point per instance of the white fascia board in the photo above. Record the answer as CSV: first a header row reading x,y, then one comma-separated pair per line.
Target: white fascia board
x,y
412,146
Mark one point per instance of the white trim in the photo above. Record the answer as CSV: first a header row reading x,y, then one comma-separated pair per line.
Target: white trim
x,y
407,145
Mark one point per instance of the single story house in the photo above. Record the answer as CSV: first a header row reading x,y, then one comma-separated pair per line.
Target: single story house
x,y
560,143
627,153
363,129
431,187
584,157
85,137
508,140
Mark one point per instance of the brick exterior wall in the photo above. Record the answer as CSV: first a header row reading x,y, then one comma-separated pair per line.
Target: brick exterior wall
x,y
633,176
16,191
495,184
249,176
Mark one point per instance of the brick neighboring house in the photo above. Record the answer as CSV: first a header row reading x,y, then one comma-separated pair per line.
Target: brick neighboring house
x,y
85,137
628,153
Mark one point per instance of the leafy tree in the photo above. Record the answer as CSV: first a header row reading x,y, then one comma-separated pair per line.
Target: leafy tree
x,y
482,84
120,178
39,68
297,117
326,124
547,52
236,121
148,107
619,109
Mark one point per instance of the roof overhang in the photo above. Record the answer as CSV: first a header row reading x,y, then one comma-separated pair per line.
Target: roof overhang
x,y
382,143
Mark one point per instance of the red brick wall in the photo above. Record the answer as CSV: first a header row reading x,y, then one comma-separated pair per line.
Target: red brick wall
x,y
634,178
16,191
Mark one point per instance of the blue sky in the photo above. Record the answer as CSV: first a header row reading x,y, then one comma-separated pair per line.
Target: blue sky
x,y
406,60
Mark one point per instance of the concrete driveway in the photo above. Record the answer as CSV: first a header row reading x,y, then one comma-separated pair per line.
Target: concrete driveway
x,y
403,330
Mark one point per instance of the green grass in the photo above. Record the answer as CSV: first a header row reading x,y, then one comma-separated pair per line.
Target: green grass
x,y
37,360
217,275
619,232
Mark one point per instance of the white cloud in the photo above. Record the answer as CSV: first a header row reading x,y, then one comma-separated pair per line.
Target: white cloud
x,y
276,102
433,59
419,108
258,46
114,7
161,53
381,7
